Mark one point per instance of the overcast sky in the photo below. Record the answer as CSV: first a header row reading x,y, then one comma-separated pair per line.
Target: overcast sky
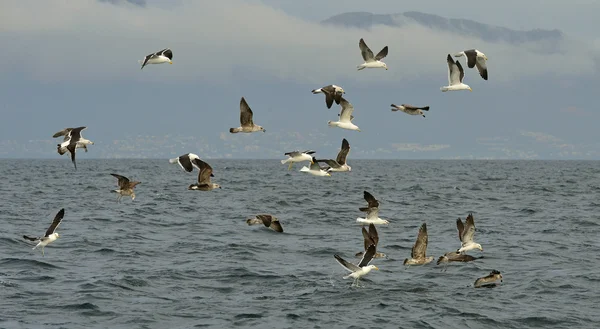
x,y
68,62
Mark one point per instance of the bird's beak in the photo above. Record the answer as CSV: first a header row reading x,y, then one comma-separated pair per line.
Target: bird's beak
x,y
171,62
358,130
386,68
423,115
470,89
377,268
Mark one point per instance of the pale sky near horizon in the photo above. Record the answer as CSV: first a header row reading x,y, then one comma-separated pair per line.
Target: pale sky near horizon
x,y
73,63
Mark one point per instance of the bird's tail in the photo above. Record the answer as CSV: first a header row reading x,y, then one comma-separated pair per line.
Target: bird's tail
x,y
444,89
316,91
360,67
115,191
426,108
174,160
305,169
394,108
285,161
31,238
440,260
234,130
347,276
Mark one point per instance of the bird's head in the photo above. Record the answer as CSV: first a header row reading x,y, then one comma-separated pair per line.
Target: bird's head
x,y
373,267
216,186
479,247
385,65
57,235
485,57
328,174
342,90
470,88
262,129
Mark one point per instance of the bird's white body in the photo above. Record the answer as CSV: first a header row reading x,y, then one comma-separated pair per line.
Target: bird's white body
x,y
338,89
343,168
44,241
252,129
421,261
470,246
158,60
376,221
372,65
360,273
299,158
81,143
460,86
319,172
344,125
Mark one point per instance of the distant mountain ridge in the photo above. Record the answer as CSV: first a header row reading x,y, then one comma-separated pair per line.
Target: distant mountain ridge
x,y
466,27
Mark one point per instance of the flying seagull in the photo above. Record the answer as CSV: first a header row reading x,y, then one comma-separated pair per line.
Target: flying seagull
x,y
362,268
372,210
489,281
73,141
204,175
456,74
65,132
409,109
332,92
417,255
345,120
370,60
50,236
186,161
247,125
315,169
465,234
475,58
126,187
454,256
297,156
370,237
159,57
267,220
339,164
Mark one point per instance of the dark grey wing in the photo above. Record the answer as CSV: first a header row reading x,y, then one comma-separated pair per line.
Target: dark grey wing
x,y
205,171
420,248
315,164
382,53
482,68
460,69
461,229
167,53
366,53
276,226
328,89
366,239
373,203
186,163
373,234
329,99
292,154
123,181
31,238
64,132
471,57
309,152
59,216
453,71
469,230
347,265
75,134
330,163
146,59
266,219
341,157
71,148
367,256
337,97
245,114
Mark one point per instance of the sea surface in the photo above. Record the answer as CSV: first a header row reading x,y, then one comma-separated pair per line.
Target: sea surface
x,y
175,258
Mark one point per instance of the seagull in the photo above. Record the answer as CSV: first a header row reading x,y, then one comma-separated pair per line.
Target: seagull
x,y
315,169
362,268
475,57
267,220
204,175
50,236
332,92
456,74
489,281
465,234
370,60
247,125
372,210
297,156
417,255
339,164
186,161
454,256
125,187
159,57
409,109
73,141
345,121
370,238
65,132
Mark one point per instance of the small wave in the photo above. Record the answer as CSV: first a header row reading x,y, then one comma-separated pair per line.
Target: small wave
x,y
25,263
82,306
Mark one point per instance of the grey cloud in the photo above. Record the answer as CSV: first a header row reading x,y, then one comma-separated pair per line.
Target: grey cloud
x,y
140,3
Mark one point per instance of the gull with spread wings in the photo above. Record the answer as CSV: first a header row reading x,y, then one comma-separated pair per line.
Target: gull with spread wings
x,y
362,268
456,75
419,250
204,175
465,234
159,57
372,210
72,142
126,187
339,164
346,117
267,220
50,235
246,122
332,93
475,58
371,61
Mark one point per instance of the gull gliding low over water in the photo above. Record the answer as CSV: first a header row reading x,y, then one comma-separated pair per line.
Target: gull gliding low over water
x,y
186,161
370,237
362,268
466,233
332,92
371,61
339,164
409,109
246,121
419,250
456,75
159,57
297,156
126,187
204,175
372,210
315,169
489,281
267,220
50,235
475,58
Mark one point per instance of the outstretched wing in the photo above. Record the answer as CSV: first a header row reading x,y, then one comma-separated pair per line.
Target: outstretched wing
x,y
366,53
373,234
346,112
461,228
382,53
420,248
373,203
59,216
167,53
64,132
266,219
347,265
245,114
367,256
123,181
482,67
330,163
469,230
454,71
204,171
341,157
471,55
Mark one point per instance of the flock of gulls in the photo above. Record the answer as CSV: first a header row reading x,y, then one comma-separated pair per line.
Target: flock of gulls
x,y
73,139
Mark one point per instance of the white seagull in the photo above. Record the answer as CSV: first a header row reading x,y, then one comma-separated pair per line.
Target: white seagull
x,y
465,234
475,58
371,61
345,120
456,74
339,164
419,250
362,268
372,210
50,235
65,132
315,169
186,161
247,124
297,156
73,141
332,92
409,109
159,57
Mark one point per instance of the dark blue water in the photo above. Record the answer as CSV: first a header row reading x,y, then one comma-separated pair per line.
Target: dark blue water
x,y
175,258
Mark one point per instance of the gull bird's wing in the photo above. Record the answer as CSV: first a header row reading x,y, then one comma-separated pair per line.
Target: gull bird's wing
x,y
366,53
71,148
75,134
123,181
167,53
456,73
185,161
293,154
59,216
373,235
65,132
469,229
205,171
347,265
382,54
341,157
367,256
367,240
245,114
330,95
482,67
461,228
346,111
271,222
331,163
372,202
420,248
471,55
315,165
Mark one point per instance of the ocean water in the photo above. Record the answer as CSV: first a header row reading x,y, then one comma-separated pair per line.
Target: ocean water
x,y
175,258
